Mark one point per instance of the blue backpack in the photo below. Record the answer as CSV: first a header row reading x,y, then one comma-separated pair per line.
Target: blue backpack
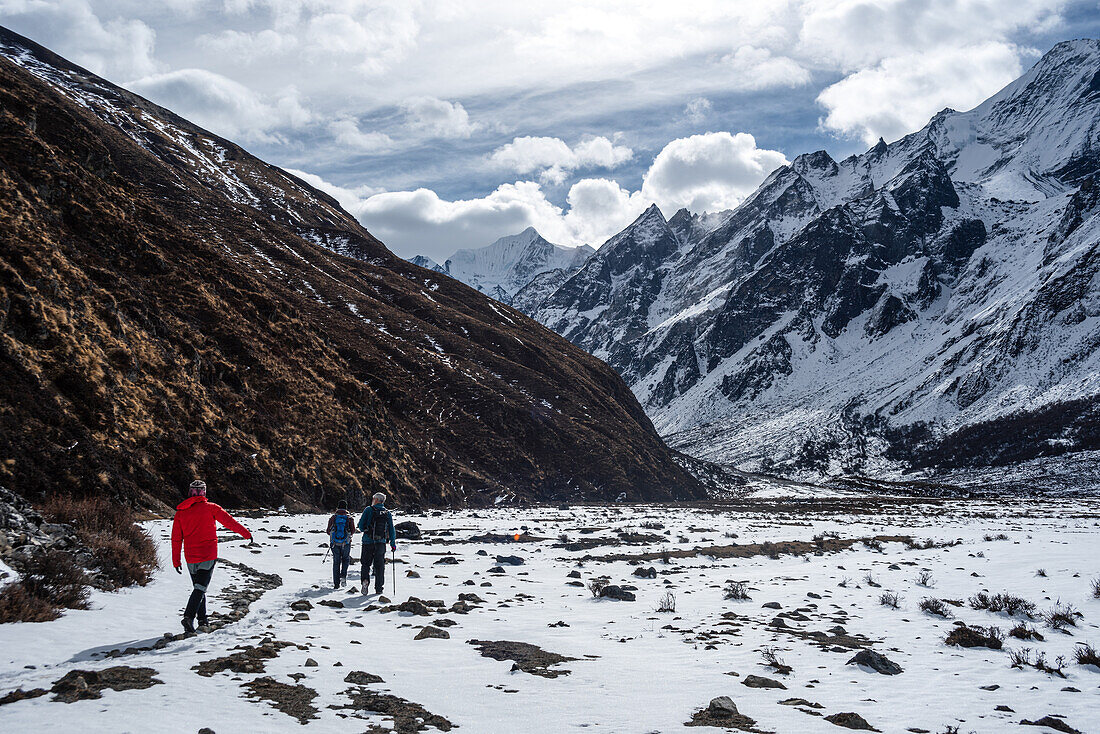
x,y
340,532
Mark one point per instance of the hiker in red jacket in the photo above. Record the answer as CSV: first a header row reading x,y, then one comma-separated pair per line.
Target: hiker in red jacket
x,y
194,528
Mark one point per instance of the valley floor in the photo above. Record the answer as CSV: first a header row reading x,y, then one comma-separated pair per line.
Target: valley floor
x,y
630,668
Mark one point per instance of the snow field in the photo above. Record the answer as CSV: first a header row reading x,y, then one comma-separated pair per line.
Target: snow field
x,y
642,678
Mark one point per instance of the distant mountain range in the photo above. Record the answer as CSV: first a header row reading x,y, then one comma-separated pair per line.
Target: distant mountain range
x,y
511,264
171,308
930,305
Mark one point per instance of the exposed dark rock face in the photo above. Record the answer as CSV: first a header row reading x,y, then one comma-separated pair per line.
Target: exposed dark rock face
x,y
171,306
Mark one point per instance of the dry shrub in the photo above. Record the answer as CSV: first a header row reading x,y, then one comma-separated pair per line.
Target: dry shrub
x,y
668,603
124,551
931,605
890,599
1022,659
51,581
1007,603
1023,632
737,590
1085,654
1061,616
19,605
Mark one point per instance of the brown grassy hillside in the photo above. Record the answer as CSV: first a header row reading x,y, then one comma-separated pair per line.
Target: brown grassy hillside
x,y
172,307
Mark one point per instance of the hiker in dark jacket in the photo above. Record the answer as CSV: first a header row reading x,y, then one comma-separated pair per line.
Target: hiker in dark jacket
x,y
376,524
194,528
341,527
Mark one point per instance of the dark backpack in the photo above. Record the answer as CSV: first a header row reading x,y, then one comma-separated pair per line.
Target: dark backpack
x,y
341,532
379,524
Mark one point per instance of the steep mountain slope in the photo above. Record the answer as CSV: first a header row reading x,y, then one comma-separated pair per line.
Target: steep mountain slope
x,y
502,269
933,302
171,306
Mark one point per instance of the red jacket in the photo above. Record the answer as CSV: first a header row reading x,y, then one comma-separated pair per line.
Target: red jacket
x,y
194,528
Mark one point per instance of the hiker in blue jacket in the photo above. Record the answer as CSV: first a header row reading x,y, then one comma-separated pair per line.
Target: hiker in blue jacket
x,y
377,527
341,527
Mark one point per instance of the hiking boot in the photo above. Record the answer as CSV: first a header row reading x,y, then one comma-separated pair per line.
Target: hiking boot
x,y
188,625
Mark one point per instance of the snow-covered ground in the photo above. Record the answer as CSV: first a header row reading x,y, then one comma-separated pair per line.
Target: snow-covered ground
x,y
636,670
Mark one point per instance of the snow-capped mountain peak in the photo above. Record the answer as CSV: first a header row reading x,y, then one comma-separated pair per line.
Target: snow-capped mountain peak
x,y
503,268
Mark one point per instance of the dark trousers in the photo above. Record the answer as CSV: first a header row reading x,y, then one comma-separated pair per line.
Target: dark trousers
x,y
374,554
341,559
201,573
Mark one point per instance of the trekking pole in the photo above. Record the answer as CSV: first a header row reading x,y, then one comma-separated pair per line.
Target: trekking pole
x,y
327,551
393,569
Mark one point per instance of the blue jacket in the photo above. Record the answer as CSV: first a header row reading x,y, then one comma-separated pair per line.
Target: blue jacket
x,y
365,521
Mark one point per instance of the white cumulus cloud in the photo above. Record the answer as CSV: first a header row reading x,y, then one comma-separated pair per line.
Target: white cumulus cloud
x,y
222,105
438,117
900,94
348,134
553,158
755,68
708,172
702,172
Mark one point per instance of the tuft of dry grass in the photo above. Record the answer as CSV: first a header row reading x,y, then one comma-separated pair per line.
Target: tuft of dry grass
x,y
924,578
1096,588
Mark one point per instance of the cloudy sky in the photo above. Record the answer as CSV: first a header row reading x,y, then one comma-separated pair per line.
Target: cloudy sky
x,y
447,124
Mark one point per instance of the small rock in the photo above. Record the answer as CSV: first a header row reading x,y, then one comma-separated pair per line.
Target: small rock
x,y
875,661
573,575
850,720
302,605
1052,722
722,706
407,530
617,593
361,678
431,631
510,560
645,573
412,574
310,663
759,681
772,605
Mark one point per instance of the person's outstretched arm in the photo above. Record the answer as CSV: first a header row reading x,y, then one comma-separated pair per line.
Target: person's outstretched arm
x,y
223,517
393,533
177,541
363,520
